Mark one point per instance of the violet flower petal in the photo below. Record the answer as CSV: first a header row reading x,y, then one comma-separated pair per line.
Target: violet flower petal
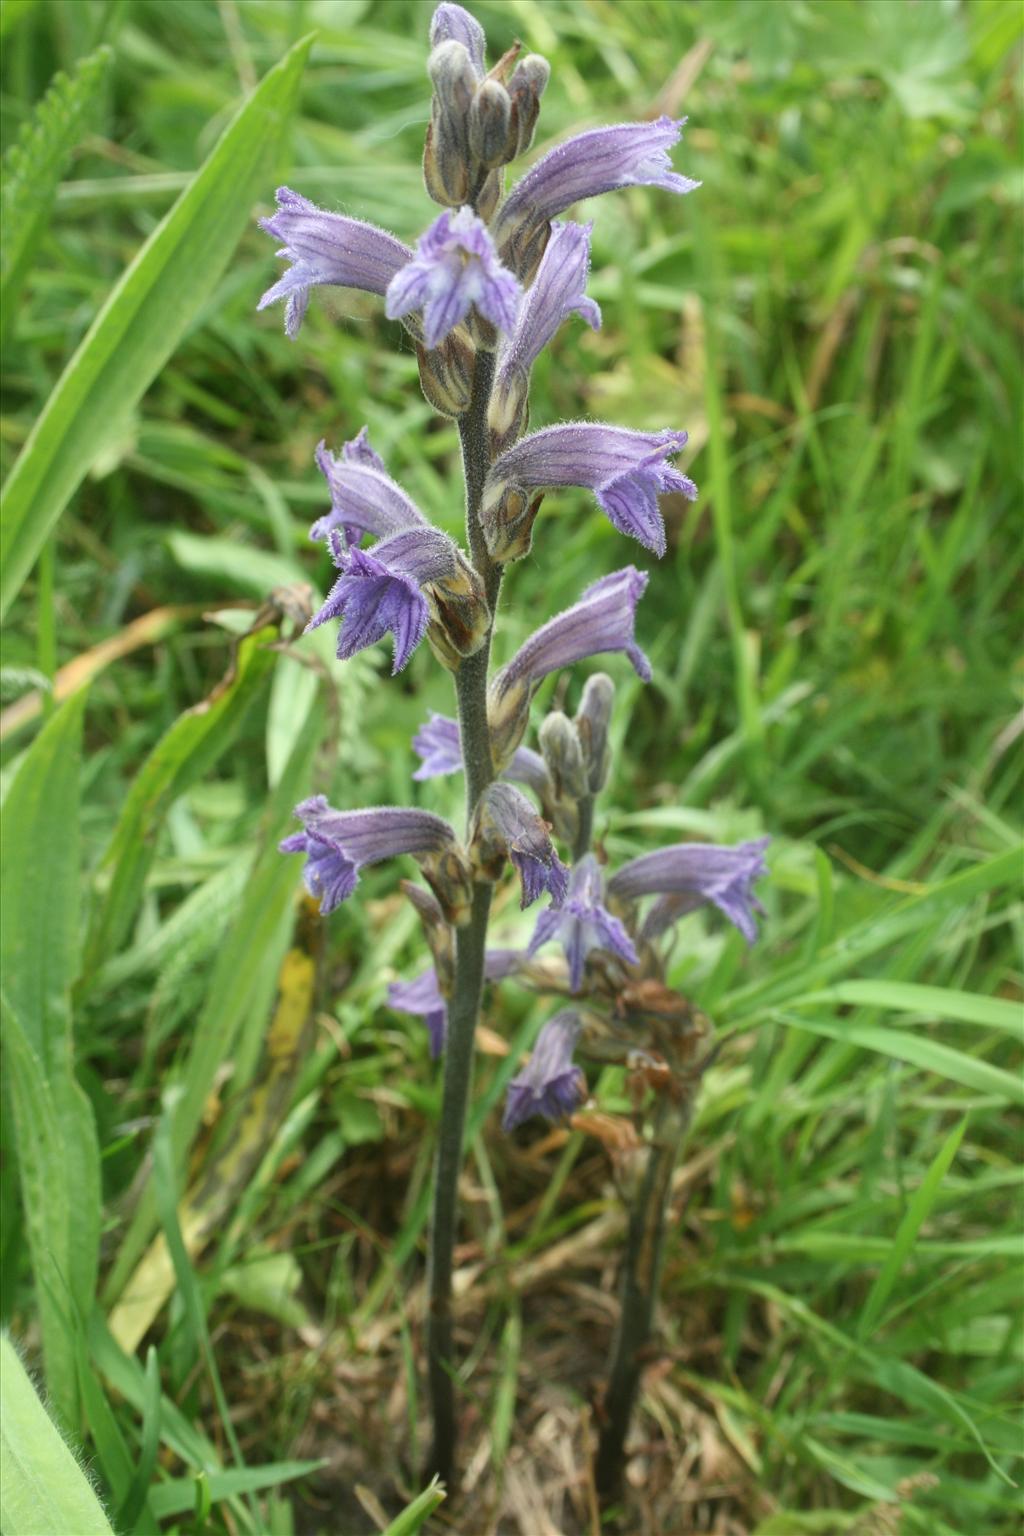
x,y
437,744
452,22
709,872
364,498
602,620
557,291
583,923
508,819
422,995
550,1084
338,843
455,268
326,248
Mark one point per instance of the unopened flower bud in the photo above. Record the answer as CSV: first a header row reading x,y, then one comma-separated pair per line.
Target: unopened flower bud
x,y
446,372
508,714
437,932
449,876
526,87
509,409
507,516
592,720
459,615
561,750
453,77
490,117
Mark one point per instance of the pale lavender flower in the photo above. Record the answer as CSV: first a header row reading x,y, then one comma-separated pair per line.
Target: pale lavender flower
x,y
602,160
451,23
558,290
699,872
550,1084
455,268
338,843
626,470
506,825
326,248
583,923
438,744
422,995
364,498
602,620
381,590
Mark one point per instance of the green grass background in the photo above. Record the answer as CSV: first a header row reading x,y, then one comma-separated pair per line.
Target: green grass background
x,y
835,317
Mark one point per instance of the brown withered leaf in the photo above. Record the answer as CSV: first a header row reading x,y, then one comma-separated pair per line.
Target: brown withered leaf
x,y
612,1131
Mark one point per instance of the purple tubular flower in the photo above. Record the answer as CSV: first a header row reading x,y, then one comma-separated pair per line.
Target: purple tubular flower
x,y
506,824
326,248
422,996
437,744
550,1084
583,923
455,268
626,470
701,872
364,498
626,155
602,620
338,843
558,290
451,22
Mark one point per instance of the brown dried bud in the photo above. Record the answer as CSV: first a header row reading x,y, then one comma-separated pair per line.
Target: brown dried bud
x,y
448,874
445,163
507,517
526,87
489,196
459,614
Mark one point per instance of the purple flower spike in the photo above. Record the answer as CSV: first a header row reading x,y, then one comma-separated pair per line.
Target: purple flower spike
x,y
326,248
558,290
626,470
338,843
583,923
422,996
455,268
626,155
451,22
437,743
700,872
364,498
506,824
550,1084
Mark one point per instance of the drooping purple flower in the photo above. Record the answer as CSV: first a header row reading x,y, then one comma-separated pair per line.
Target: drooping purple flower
x,y
450,23
699,872
558,290
602,160
626,470
437,743
506,825
364,498
381,590
550,1084
583,923
338,843
455,269
326,248
422,995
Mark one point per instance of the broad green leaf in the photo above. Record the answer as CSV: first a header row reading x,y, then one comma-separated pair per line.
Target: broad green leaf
x,y
918,1051
143,320
33,166
58,1156
43,1490
195,741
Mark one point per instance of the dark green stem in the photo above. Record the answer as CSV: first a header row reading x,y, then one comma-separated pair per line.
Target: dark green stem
x,y
640,1278
470,946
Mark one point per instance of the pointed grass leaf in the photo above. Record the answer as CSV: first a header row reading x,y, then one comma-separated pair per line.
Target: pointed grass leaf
x,y
145,317
415,1516
42,1487
179,1497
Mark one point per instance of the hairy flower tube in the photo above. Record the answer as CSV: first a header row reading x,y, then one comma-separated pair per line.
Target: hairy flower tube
x,y
506,825
364,498
697,873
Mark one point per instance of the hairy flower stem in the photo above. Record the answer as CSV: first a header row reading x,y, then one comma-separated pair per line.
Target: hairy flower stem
x,y
470,945
641,1274
584,829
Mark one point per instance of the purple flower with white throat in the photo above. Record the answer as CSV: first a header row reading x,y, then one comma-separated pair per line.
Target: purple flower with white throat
x,y
558,290
626,470
364,498
392,588
326,248
603,620
438,745
423,997
602,160
583,923
507,826
695,873
550,1084
338,843
455,269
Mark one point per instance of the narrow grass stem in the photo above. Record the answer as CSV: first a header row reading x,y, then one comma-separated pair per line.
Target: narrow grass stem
x,y
470,946
641,1273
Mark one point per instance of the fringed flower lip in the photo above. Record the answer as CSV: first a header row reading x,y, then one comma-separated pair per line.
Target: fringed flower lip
x,y
326,249
550,1084
337,844
506,825
686,875
455,268
364,497
583,924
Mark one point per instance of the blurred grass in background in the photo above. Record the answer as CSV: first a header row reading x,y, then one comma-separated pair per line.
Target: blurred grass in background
x,y
835,317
